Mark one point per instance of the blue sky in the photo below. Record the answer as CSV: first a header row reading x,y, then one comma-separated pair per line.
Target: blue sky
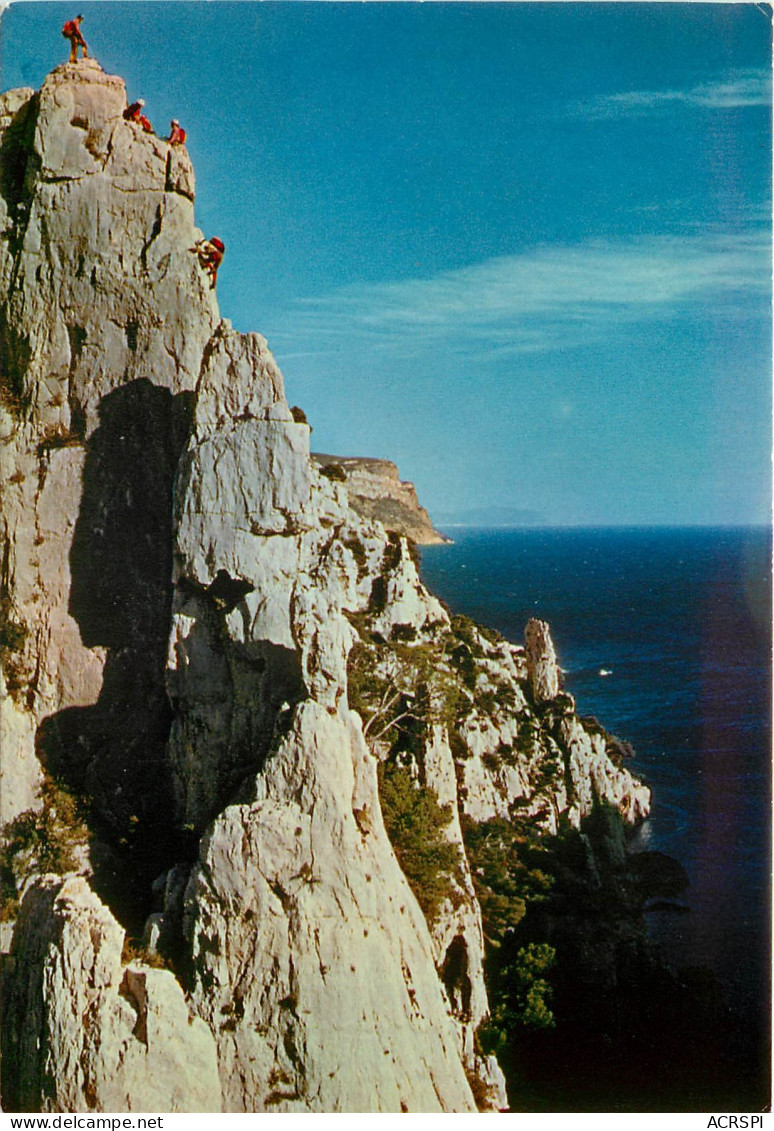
x,y
521,249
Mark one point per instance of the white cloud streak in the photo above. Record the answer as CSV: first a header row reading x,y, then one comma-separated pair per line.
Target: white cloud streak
x,y
542,300
749,87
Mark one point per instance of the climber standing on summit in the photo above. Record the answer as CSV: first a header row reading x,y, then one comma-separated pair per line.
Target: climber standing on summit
x,y
72,31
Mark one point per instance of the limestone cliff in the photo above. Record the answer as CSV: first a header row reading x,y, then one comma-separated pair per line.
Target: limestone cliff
x,y
104,318
224,680
376,491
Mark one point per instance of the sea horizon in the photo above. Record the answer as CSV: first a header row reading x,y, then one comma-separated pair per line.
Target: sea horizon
x,y
438,523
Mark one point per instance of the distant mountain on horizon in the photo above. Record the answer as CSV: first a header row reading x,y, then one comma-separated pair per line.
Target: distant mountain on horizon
x,y
490,516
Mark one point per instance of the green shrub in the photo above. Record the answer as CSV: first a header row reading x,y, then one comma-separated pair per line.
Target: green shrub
x,y
520,997
358,552
592,725
377,601
416,825
462,659
13,396
334,472
44,840
529,991
467,631
546,774
458,746
491,634
506,753
499,855
365,687
527,734
134,951
564,703
618,750
13,637
414,553
506,696
485,700
383,678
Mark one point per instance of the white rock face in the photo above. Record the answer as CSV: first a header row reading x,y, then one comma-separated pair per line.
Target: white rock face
x,y
246,531
594,775
313,961
90,1033
458,936
104,249
405,599
19,774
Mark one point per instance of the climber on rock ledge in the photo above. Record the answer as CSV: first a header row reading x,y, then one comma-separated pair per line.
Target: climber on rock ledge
x,y
211,254
133,113
72,31
176,133
134,110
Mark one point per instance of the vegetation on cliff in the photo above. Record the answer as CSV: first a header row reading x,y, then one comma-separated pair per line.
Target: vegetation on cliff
x,y
416,824
53,838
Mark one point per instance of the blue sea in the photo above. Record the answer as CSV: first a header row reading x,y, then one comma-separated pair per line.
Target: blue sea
x,y
665,636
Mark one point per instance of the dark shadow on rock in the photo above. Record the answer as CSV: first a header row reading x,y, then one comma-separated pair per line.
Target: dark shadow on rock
x,y
22,984
456,978
121,557
114,752
232,699
16,150
16,154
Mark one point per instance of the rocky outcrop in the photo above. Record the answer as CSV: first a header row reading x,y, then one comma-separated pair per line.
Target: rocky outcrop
x,y
104,318
217,648
376,492
85,1031
541,661
313,961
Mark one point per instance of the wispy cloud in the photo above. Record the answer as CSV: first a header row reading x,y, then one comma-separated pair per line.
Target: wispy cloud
x,y
749,87
544,299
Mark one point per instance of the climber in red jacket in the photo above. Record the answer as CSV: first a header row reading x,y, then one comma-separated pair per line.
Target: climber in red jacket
x,y
72,31
211,254
133,113
176,133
